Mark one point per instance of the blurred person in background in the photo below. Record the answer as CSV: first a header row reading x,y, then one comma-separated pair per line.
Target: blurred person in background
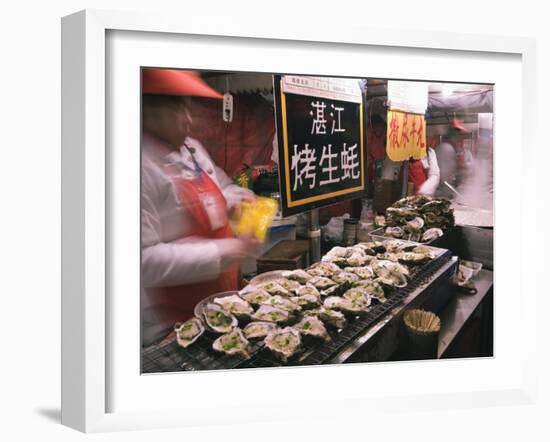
x,y
446,153
187,245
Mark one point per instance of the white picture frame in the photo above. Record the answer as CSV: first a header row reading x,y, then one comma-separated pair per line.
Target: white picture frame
x,y
87,205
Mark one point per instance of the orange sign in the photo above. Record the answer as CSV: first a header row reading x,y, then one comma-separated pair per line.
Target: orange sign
x,y
406,136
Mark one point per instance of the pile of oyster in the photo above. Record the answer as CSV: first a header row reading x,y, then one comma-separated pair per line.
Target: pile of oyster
x,y
418,218
306,304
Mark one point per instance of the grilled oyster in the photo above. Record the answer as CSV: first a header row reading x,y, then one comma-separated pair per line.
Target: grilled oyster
x,y
217,319
332,302
415,224
288,284
386,268
344,276
356,306
431,234
232,343
308,289
283,303
188,331
306,301
297,275
235,305
334,253
284,343
255,297
259,329
413,258
332,317
357,294
356,259
271,314
374,246
423,250
361,272
388,256
336,290
372,288
321,282
312,326
274,288
393,280
323,269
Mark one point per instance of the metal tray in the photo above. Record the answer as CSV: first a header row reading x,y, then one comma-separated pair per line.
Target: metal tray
x,y
199,307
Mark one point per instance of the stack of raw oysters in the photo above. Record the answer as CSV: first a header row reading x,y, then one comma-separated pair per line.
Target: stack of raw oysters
x,y
303,304
418,218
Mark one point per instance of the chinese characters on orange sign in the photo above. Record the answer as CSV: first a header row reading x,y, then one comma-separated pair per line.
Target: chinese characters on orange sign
x,y
406,136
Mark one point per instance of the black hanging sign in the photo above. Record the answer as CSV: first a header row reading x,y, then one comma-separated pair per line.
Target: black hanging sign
x,y
320,135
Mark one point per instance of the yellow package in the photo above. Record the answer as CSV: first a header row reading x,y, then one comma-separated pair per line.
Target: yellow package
x,y
256,217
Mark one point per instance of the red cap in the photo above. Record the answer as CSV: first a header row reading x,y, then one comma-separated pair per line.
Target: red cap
x,y
175,82
458,125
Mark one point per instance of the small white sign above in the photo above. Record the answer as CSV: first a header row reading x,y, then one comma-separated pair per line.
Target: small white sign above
x,y
408,96
343,89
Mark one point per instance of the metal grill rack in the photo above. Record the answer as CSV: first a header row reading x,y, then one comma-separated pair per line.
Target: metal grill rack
x,y
200,356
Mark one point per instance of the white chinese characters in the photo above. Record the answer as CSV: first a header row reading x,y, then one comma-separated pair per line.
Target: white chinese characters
x,y
303,165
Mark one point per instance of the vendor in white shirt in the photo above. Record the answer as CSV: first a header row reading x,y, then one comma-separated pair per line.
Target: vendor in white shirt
x,y
188,249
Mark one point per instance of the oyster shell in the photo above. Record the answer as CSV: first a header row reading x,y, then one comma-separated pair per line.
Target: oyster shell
x,y
356,259
271,314
306,301
332,302
188,332
357,294
308,289
336,290
321,282
255,297
297,275
284,343
259,329
415,224
323,269
332,317
372,288
374,246
393,280
235,305
424,251
312,326
344,276
432,234
232,343
283,303
413,258
355,306
217,319
361,272
274,288
288,284
394,257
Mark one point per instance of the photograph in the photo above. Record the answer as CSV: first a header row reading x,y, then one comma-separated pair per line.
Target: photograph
x,y
303,220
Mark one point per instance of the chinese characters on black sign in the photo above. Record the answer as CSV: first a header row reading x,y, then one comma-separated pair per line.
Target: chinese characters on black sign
x,y
320,150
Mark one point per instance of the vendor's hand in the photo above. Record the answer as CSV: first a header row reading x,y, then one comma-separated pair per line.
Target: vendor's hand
x,y
246,196
233,250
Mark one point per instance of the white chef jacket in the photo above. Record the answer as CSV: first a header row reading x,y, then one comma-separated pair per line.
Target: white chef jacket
x,y
170,256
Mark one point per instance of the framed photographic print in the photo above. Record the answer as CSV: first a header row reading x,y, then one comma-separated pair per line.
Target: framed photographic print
x,y
249,215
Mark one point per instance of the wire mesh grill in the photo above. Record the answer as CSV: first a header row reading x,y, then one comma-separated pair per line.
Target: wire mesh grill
x,y
171,357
